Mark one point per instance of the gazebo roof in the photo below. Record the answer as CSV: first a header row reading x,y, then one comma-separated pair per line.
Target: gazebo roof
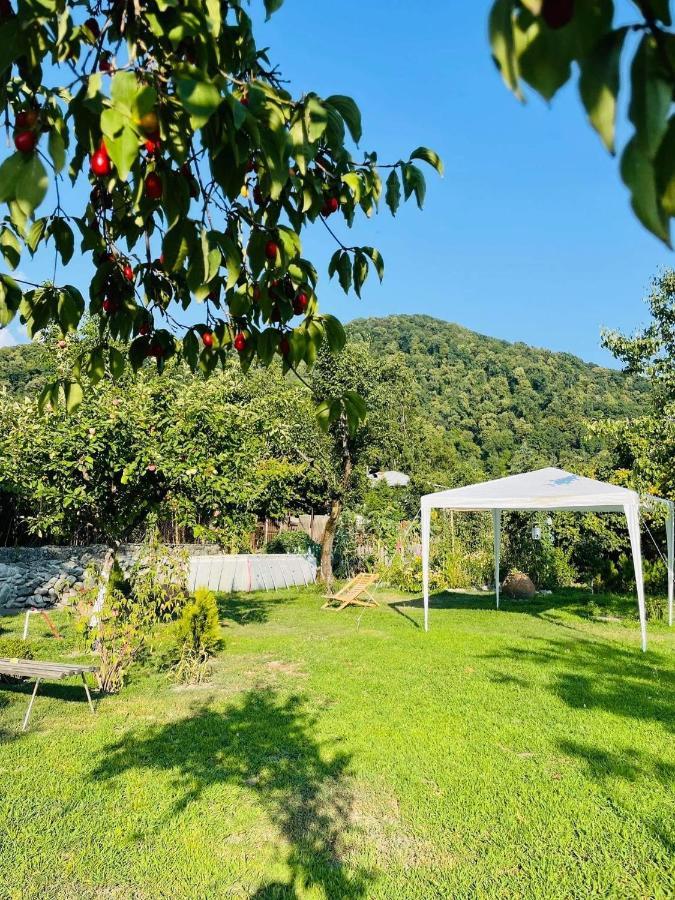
x,y
548,488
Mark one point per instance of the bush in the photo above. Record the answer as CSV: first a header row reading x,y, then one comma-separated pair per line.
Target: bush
x,y
196,637
158,578
293,542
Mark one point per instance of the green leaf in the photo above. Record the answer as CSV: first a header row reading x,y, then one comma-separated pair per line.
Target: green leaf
x,y
9,175
664,165
200,98
360,270
316,118
73,394
376,258
271,6
428,156
355,409
63,238
117,363
57,149
349,112
651,98
335,333
393,192
10,247
121,141
36,234
502,42
544,58
322,413
267,344
31,185
599,84
344,270
10,299
413,181
638,174
69,309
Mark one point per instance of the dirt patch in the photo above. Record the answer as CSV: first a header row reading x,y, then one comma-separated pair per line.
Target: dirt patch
x,y
378,829
285,668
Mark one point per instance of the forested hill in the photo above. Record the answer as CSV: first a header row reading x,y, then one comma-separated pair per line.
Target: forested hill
x,y
511,406
487,406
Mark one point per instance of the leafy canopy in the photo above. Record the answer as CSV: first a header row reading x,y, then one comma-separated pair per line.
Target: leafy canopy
x,y
204,171
541,42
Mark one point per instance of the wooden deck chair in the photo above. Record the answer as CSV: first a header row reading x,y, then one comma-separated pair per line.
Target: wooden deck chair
x,y
354,593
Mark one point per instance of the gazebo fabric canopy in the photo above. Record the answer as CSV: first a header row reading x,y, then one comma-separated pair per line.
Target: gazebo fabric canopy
x,y
550,489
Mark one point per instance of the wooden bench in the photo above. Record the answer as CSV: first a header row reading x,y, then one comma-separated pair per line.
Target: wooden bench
x,y
44,671
352,593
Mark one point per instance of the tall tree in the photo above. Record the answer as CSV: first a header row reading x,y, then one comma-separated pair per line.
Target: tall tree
x,y
204,170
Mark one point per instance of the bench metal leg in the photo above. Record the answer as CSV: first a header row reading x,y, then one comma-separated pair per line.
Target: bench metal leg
x,y
30,705
25,624
86,689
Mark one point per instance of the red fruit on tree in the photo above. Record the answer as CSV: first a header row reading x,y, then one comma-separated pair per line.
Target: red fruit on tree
x,y
300,304
275,315
256,292
152,146
244,100
105,64
109,306
128,272
271,250
207,339
557,13
333,204
27,118
153,186
284,346
258,195
144,329
156,350
25,141
100,162
239,342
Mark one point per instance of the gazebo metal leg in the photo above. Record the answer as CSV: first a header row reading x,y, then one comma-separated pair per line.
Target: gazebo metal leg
x,y
30,705
86,689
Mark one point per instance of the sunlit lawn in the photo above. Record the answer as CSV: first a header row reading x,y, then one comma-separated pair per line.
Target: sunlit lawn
x,y
522,753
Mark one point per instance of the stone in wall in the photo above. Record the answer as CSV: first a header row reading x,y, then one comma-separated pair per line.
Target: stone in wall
x,y
45,576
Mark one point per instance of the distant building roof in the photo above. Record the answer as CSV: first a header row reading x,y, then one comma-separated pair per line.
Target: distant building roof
x,y
393,479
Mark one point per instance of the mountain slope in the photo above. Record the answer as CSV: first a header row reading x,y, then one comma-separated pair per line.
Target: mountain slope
x,y
510,406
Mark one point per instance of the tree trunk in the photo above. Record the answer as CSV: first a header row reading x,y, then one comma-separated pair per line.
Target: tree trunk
x,y
326,568
336,505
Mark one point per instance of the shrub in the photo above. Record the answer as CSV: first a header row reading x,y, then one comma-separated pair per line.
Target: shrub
x,y
158,578
196,637
293,542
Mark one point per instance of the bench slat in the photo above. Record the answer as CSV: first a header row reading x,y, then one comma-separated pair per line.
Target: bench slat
x,y
35,668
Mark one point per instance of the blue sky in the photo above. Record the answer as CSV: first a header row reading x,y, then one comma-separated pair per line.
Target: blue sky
x,y
529,236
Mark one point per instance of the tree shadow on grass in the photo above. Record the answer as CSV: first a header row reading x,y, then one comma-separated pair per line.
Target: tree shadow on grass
x,y
266,746
246,610
607,766
588,674
578,601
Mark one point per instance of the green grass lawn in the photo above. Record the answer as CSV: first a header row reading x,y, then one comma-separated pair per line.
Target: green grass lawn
x,y
526,752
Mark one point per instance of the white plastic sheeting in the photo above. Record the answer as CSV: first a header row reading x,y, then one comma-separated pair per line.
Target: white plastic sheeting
x,y
251,571
550,489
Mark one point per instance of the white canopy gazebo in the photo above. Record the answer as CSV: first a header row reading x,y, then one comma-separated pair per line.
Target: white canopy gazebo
x,y
550,489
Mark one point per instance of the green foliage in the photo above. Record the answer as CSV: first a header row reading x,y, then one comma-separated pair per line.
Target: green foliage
x,y
204,172
196,638
198,628
157,580
541,43
293,542
12,647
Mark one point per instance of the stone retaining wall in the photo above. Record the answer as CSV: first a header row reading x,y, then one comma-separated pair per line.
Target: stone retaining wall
x,y
44,576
